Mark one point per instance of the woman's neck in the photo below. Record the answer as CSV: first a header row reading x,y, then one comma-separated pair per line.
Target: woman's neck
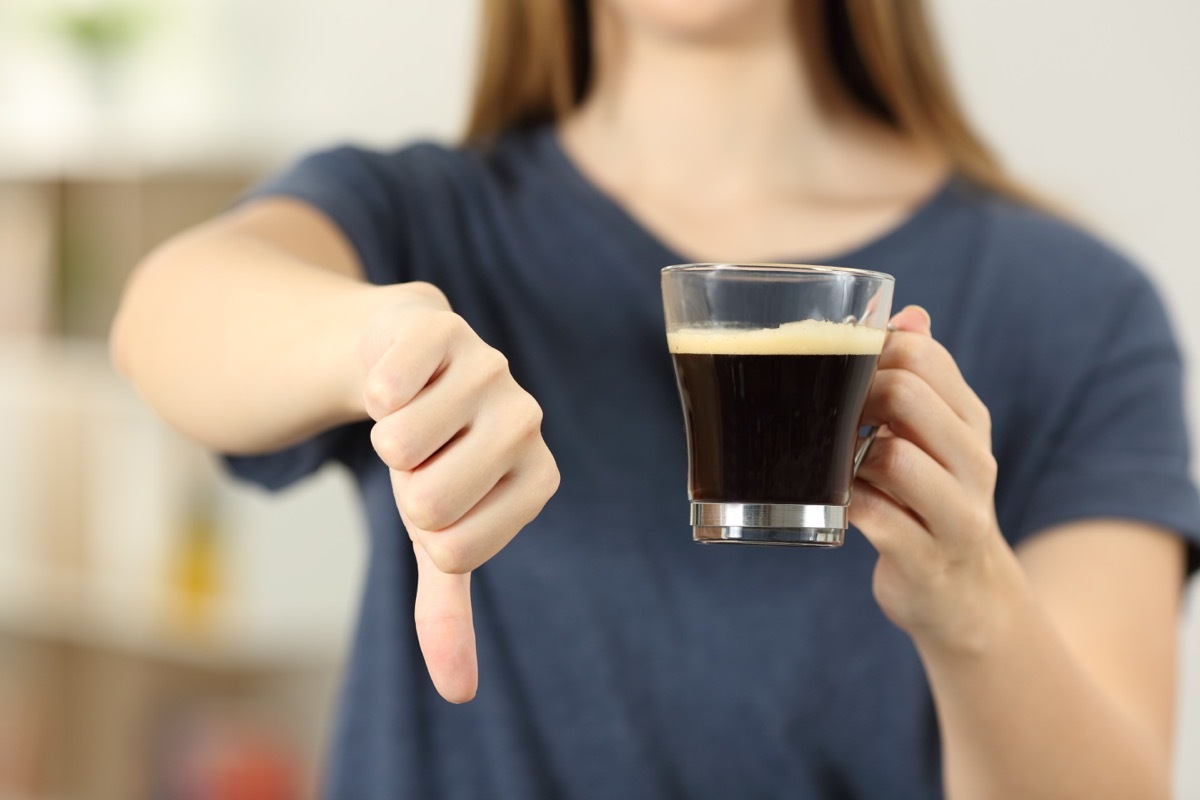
x,y
734,118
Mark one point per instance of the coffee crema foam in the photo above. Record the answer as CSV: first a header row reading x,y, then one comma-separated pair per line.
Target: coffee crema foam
x,y
809,337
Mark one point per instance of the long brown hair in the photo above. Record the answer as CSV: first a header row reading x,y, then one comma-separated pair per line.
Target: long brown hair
x,y
879,55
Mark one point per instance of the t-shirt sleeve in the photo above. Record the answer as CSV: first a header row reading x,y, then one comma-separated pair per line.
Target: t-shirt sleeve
x,y
1123,449
351,187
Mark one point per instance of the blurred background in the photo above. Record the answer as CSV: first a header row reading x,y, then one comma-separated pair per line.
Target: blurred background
x,y
165,633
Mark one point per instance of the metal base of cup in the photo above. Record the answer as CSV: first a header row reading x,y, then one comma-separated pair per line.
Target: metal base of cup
x,y
769,524
795,537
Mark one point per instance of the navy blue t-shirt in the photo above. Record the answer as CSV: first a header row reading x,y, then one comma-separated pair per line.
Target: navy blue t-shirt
x,y
618,659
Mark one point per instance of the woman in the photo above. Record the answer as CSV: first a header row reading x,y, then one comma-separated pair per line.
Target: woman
x,y
1003,627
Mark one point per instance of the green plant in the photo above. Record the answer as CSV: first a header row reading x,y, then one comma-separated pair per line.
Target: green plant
x,y
103,30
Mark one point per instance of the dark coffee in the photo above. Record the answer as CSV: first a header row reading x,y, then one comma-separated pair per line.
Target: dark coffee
x,y
772,415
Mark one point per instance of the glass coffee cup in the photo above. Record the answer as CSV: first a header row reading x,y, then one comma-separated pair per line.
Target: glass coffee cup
x,y
773,364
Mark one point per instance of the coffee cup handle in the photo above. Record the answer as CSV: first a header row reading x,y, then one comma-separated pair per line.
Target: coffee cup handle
x,y
864,445
868,438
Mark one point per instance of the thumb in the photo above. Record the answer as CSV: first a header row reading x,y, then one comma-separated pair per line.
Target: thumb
x,y
444,629
913,319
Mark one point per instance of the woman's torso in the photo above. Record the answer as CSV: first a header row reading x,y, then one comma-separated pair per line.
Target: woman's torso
x,y
617,657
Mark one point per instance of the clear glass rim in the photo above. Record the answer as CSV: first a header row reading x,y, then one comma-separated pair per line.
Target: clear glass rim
x,y
782,269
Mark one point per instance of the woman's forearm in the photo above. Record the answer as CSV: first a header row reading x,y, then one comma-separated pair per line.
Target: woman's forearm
x,y
242,345
1020,717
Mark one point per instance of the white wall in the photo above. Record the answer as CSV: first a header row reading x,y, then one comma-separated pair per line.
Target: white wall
x,y
373,71
242,80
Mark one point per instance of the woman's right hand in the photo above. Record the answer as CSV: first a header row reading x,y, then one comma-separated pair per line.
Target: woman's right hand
x,y
468,464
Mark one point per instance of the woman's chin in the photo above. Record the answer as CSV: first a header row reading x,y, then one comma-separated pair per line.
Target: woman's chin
x,y
700,21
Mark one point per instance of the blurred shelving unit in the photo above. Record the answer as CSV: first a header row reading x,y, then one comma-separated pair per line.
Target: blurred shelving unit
x,y
150,611
156,621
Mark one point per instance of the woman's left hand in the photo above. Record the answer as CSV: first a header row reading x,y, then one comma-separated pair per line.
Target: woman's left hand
x,y
924,495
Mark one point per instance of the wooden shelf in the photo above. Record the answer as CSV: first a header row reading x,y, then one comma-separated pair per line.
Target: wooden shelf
x,y
56,606
96,495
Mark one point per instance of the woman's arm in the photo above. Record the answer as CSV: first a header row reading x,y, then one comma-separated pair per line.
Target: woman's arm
x,y
256,331
1053,671
245,333
1072,693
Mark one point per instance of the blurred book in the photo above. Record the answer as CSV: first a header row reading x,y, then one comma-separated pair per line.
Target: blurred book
x,y
24,723
26,259
207,755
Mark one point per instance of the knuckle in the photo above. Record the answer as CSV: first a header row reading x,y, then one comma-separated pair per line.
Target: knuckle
x,y
900,390
379,395
386,444
428,291
540,481
912,352
530,416
448,554
547,482
976,523
893,458
918,354
394,448
489,368
445,326
988,465
985,418
553,477
495,364
457,325
907,353
425,509
863,501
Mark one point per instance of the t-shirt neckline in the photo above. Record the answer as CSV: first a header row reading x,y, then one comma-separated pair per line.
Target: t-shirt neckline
x,y
909,228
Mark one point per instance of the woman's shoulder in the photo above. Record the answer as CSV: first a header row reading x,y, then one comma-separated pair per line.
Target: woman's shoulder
x,y
1042,300
422,166
419,164
1038,248
419,188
